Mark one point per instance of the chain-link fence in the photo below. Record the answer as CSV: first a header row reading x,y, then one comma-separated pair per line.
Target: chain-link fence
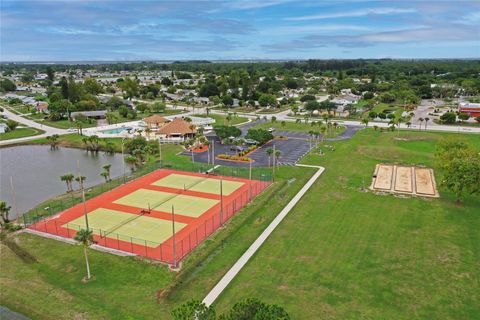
x,y
178,245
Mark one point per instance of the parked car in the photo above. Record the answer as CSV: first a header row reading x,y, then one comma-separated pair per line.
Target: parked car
x,y
271,130
236,148
72,130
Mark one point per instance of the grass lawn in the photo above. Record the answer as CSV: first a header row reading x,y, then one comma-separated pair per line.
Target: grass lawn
x,y
20,133
125,288
221,119
340,254
293,126
66,124
396,110
347,254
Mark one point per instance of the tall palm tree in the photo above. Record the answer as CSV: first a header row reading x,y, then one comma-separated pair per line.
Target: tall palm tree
x,y
131,161
408,123
322,131
107,168
421,121
365,122
269,151
426,121
4,212
228,118
66,178
105,175
80,180
85,237
53,139
277,154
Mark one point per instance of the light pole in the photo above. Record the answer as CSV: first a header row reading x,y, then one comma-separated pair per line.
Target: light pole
x,y
173,238
123,160
83,196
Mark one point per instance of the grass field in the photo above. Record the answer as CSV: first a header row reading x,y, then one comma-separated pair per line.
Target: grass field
x,y
347,254
20,133
221,119
340,254
125,288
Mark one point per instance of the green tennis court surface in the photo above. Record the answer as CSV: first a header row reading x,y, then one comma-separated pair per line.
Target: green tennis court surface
x,y
199,184
163,201
137,230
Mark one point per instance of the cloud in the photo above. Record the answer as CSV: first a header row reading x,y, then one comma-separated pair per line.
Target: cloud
x,y
472,18
254,4
316,28
453,33
355,13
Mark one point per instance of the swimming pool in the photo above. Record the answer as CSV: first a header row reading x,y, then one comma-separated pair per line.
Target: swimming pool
x,y
116,130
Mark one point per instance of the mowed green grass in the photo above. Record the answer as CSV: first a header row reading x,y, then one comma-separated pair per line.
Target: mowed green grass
x,y
125,287
20,133
347,254
302,127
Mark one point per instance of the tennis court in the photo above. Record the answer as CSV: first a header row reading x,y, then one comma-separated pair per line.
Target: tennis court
x,y
104,222
191,206
200,184
163,215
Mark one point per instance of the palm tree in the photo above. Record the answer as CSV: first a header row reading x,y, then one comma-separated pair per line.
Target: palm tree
x,y
131,161
4,212
80,180
278,153
365,122
105,175
67,178
283,124
298,120
408,123
421,121
322,131
269,151
53,139
228,118
79,125
107,168
85,237
426,121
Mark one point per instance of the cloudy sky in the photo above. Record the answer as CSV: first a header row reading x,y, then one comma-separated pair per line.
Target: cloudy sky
x,y
61,30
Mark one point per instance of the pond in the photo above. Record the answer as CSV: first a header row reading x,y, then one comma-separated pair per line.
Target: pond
x,y
36,172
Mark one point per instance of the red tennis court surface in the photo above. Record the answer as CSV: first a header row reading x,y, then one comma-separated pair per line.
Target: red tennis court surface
x,y
137,217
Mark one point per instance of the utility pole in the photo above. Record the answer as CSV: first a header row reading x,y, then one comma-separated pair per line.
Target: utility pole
x,y
14,196
83,196
221,201
250,178
273,160
173,238
213,156
160,152
123,160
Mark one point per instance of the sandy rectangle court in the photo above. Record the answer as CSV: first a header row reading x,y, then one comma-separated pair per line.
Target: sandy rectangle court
x,y
383,178
405,180
423,181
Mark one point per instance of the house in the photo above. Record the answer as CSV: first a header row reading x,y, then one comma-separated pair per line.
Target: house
x,y
176,131
155,122
473,109
42,106
98,114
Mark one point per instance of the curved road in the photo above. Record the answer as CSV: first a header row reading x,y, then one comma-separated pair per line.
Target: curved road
x,y
30,123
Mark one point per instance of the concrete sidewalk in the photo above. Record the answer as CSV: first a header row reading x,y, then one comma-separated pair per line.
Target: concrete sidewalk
x,y
235,269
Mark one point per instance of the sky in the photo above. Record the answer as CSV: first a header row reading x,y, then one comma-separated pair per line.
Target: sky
x,y
122,30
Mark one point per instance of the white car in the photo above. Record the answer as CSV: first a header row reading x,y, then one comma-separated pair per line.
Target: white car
x,y
72,130
271,130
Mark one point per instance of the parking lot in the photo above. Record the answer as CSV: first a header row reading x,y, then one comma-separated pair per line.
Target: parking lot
x,y
292,149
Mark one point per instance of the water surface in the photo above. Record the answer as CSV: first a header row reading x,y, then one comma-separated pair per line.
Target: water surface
x,y
36,172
